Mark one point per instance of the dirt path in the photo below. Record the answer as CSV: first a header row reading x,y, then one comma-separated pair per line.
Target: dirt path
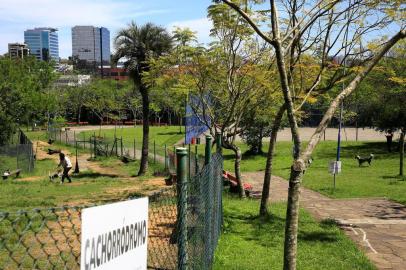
x,y
377,225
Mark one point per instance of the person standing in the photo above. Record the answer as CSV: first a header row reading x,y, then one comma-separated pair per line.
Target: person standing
x,y
64,161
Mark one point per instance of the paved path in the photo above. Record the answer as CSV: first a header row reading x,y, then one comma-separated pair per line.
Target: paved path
x,y
377,225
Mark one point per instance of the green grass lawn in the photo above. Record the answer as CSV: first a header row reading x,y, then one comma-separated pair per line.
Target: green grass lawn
x,y
249,242
88,186
378,180
168,135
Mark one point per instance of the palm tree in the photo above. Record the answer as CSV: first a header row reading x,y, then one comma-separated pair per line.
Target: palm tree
x,y
137,45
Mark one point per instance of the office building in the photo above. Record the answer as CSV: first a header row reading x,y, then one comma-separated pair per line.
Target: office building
x,y
18,50
91,45
43,43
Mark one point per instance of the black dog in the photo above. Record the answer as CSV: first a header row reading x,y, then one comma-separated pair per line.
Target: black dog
x,y
363,160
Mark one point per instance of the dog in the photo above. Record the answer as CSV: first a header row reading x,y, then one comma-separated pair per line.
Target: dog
x,y
6,174
364,160
54,175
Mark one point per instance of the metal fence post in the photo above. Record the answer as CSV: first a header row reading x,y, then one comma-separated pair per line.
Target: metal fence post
x,y
189,161
174,157
207,153
207,194
77,170
218,143
154,152
196,161
166,160
182,207
116,144
220,180
94,146
121,145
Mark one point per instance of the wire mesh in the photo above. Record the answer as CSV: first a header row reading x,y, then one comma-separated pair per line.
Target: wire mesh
x,y
50,238
163,157
40,239
17,156
204,216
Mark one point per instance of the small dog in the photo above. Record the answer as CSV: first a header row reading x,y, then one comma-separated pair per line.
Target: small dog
x,y
6,174
363,160
54,175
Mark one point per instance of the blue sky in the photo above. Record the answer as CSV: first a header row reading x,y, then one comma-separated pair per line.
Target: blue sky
x,y
18,15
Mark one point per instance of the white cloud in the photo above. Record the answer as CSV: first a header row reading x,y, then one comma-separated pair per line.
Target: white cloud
x,y
19,15
202,26
58,13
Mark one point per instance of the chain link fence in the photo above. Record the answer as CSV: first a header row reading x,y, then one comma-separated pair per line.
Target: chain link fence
x,y
204,214
18,156
163,157
50,238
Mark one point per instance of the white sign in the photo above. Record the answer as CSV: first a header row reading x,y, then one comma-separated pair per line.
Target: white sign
x,y
115,236
334,167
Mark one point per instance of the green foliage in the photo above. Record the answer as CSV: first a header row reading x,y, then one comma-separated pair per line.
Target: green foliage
x,y
102,98
25,93
138,45
382,96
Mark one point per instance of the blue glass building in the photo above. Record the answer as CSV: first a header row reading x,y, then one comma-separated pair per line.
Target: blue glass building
x,y
43,43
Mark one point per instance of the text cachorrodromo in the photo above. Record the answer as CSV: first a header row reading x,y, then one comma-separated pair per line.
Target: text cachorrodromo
x,y
107,246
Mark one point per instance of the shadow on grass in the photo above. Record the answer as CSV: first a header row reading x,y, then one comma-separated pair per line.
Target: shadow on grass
x,y
394,177
269,230
170,133
379,149
93,175
317,237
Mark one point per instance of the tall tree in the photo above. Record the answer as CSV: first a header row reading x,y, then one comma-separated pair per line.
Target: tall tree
x,y
137,45
25,93
309,19
101,99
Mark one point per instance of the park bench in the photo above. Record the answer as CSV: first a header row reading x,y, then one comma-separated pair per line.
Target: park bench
x,y
171,179
231,180
127,159
15,173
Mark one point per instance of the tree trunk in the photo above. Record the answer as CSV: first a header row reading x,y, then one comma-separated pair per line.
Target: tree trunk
x,y
79,111
237,169
261,137
180,124
263,210
145,131
292,220
402,150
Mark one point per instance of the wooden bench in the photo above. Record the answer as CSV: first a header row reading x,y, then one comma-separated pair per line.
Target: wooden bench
x,y
127,159
15,173
232,181
171,179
